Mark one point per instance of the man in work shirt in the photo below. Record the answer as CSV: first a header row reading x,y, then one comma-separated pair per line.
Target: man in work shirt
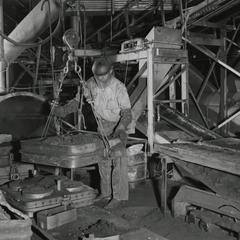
x,y
112,106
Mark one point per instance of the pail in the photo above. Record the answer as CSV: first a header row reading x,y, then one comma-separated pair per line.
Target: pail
x,y
137,166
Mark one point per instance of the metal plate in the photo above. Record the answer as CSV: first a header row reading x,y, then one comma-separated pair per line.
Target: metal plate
x,y
36,192
73,186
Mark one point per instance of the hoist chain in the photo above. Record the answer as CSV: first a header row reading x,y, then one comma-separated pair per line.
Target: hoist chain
x,y
77,69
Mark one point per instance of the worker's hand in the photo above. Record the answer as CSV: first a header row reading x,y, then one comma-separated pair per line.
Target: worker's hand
x,y
54,103
122,135
87,95
54,107
89,100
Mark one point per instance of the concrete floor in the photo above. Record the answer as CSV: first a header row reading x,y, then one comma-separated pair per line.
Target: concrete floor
x,y
140,211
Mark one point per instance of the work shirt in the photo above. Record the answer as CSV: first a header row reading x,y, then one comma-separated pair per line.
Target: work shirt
x,y
108,101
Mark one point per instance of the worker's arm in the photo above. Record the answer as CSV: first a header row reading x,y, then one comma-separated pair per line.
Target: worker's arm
x,y
87,91
73,105
125,114
125,118
125,106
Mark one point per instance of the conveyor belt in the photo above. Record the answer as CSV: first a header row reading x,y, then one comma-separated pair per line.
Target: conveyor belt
x,y
189,126
214,163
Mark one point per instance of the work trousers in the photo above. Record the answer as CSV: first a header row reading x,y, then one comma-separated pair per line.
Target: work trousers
x,y
114,177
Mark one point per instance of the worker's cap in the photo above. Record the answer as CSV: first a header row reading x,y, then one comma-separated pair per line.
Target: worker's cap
x,y
101,66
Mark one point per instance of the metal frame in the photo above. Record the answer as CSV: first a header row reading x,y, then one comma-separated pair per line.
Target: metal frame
x,y
161,56
220,57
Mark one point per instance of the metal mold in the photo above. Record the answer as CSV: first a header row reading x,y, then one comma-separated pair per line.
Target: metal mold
x,y
40,193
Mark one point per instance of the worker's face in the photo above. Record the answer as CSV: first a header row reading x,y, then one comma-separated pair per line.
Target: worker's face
x,y
104,78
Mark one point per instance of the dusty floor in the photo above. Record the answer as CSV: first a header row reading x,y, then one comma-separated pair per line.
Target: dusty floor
x,y
142,210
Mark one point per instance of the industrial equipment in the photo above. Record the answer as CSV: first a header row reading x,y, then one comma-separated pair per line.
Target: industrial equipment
x,y
25,114
207,209
43,192
55,217
132,45
68,151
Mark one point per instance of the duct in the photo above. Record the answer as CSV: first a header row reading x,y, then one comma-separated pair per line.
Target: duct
x,y
25,115
30,28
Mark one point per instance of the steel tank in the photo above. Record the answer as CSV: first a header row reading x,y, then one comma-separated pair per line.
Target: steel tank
x,y
24,115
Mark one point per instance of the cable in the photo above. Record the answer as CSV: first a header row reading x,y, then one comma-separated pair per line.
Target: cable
x,y
55,102
229,205
126,72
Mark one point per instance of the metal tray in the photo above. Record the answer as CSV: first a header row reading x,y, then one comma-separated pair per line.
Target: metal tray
x,y
65,145
71,161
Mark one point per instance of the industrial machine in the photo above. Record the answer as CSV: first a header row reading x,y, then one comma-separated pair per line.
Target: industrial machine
x,y
43,192
207,209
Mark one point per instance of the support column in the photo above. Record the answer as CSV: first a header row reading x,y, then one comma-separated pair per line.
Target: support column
x,y
2,60
223,85
184,90
150,131
172,95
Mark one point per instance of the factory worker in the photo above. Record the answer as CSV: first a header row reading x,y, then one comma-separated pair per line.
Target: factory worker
x,y
112,106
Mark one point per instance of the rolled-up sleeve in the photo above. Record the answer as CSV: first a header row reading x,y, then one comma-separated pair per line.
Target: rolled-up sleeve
x,y
123,97
125,106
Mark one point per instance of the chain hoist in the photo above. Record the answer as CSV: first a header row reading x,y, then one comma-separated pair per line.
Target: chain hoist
x,y
55,102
